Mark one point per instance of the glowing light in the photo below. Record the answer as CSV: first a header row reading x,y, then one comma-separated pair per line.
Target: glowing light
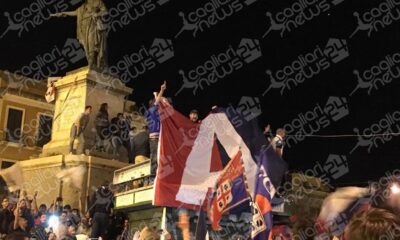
x,y
395,188
53,222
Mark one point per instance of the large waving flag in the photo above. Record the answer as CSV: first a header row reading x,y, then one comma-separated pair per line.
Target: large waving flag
x,y
230,191
264,192
74,176
190,162
13,177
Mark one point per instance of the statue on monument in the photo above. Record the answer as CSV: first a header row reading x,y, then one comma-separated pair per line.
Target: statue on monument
x,y
91,31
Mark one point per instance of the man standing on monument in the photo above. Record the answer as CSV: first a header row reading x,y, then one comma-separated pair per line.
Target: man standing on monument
x,y
91,31
77,129
153,122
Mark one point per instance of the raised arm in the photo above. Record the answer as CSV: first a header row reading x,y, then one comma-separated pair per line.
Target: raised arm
x,y
16,216
161,93
34,204
52,207
65,14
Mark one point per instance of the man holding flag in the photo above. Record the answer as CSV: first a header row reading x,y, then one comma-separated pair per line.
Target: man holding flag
x,y
192,159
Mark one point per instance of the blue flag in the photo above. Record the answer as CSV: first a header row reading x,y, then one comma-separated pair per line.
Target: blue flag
x,y
269,164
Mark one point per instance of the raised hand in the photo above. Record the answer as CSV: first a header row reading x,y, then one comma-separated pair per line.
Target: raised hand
x,y
58,15
164,86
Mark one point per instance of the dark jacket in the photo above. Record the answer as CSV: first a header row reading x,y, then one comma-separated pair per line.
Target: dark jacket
x,y
101,201
38,232
6,218
101,119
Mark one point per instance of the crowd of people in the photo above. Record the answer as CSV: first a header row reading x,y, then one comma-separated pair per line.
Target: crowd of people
x,y
22,219
376,219
140,142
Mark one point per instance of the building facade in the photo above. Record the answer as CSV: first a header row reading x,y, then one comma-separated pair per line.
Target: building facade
x,y
25,118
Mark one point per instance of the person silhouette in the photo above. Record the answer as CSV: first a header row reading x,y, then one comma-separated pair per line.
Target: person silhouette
x,y
361,83
274,83
187,83
274,26
362,26
187,26
12,26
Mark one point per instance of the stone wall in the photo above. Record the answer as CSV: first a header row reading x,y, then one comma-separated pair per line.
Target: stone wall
x,y
40,175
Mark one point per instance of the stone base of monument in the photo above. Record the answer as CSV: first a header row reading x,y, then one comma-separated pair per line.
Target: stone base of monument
x,y
76,90
41,175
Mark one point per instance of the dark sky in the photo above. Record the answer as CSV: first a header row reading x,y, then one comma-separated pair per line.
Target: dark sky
x,y
161,20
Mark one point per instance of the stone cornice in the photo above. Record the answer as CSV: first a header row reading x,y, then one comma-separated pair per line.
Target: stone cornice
x,y
28,101
93,78
71,161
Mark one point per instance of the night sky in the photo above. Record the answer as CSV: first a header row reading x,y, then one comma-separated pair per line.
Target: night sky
x,y
335,78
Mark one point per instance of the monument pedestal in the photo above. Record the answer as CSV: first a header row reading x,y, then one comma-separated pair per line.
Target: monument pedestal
x,y
75,91
40,175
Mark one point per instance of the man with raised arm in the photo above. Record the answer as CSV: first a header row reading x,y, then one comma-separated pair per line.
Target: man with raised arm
x,y
153,121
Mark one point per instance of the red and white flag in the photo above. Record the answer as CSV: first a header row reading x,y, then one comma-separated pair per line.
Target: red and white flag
x,y
188,159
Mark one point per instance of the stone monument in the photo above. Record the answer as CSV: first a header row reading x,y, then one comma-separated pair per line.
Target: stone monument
x,y
85,86
75,91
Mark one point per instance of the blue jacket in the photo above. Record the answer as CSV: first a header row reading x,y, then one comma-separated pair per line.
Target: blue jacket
x,y
153,119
